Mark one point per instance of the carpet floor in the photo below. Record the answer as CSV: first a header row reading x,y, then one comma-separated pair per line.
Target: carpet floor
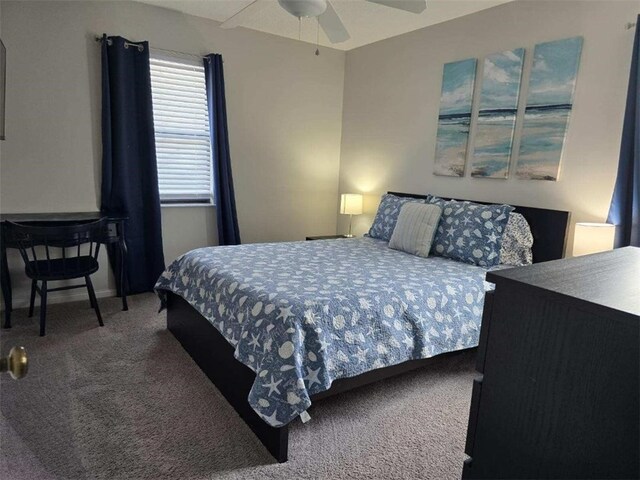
x,y
125,401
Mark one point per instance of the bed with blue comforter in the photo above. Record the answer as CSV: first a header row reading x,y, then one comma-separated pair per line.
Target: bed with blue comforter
x,y
304,314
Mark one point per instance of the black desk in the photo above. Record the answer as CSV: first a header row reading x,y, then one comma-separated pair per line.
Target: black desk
x,y
115,237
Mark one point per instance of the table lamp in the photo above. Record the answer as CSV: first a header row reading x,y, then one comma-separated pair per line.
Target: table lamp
x,y
350,204
593,237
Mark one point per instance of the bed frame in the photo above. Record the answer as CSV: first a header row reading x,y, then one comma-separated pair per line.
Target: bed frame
x,y
214,355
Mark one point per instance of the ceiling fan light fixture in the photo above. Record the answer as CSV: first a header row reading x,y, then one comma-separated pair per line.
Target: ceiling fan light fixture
x,y
304,8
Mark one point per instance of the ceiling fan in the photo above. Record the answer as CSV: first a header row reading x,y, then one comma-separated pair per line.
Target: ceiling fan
x,y
327,17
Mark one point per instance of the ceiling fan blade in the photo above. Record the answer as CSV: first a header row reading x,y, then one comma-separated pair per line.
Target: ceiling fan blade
x,y
333,26
413,6
246,13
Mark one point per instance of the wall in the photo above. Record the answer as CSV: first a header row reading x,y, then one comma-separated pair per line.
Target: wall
x,y
286,114
1,142
392,94
284,106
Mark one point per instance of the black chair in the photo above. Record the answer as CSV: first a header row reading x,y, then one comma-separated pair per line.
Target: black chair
x,y
78,246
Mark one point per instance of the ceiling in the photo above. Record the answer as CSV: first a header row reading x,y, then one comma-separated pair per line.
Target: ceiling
x,y
366,22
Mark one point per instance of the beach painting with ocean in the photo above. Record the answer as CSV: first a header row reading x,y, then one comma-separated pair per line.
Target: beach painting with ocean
x,y
496,122
454,118
549,103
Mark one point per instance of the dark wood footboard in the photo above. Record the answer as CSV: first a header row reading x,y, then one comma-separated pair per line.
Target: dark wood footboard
x,y
214,356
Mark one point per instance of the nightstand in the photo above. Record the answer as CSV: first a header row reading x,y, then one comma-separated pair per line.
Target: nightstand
x,y
327,237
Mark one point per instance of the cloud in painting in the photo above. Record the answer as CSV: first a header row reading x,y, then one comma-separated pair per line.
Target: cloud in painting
x,y
501,80
457,86
458,100
552,92
554,72
494,73
539,65
515,55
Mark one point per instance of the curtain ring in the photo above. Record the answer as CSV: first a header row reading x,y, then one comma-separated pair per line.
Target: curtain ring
x,y
109,42
137,45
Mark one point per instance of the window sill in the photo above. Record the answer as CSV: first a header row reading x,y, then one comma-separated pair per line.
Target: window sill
x,y
186,205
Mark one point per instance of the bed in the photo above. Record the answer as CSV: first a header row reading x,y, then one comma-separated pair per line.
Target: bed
x,y
279,326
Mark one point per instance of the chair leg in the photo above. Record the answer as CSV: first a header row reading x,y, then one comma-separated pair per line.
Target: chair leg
x,y
32,301
43,307
94,302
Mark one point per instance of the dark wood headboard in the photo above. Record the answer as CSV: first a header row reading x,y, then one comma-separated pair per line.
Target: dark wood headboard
x,y
549,228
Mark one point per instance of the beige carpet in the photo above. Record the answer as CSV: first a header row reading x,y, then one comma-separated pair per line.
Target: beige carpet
x,y
126,401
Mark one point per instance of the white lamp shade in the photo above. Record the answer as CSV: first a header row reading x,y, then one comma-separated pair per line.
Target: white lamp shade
x,y
351,203
593,238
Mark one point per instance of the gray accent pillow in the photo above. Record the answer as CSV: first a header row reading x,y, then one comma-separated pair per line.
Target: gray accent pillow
x,y
415,228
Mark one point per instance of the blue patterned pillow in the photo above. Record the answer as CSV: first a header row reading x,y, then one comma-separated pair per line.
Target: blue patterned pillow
x,y
387,215
470,232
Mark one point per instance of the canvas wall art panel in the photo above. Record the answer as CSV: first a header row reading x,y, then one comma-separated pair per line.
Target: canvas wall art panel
x,y
549,103
3,85
454,118
496,122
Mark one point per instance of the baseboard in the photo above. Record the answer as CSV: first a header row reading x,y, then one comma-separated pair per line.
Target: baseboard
x,y
64,296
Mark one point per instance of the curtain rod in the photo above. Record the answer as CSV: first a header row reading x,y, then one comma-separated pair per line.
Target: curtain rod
x,y
177,52
140,47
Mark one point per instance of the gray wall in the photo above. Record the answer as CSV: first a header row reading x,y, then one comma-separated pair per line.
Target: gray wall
x,y
392,92
284,106
287,116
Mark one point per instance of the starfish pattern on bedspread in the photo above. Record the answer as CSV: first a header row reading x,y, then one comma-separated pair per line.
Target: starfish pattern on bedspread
x,y
303,314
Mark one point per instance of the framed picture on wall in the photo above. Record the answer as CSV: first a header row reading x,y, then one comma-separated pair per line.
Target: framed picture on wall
x,y
3,83
454,118
549,104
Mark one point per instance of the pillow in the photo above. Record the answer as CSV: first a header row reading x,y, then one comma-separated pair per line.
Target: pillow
x,y
387,215
517,241
470,232
415,228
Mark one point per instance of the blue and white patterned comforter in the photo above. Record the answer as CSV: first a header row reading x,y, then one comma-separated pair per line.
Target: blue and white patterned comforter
x,y
304,314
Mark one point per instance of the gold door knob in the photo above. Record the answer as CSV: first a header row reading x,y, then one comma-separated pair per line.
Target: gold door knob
x,y
17,363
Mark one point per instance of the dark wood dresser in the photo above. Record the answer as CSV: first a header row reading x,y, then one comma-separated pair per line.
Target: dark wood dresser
x,y
559,362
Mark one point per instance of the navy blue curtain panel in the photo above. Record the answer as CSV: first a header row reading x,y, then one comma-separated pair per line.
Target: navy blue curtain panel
x,y
129,170
625,204
227,218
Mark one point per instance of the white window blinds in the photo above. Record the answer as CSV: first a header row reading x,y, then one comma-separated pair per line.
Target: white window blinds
x,y
181,123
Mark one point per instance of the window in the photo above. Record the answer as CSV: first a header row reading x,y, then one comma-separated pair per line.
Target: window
x,y
181,123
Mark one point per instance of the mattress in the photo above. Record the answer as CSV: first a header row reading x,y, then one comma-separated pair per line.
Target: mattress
x,y
303,314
